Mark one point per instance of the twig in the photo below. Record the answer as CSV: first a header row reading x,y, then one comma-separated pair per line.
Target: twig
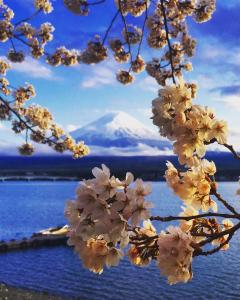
x,y
168,40
126,29
29,18
110,26
96,3
26,43
224,202
143,28
219,235
13,45
216,249
189,218
231,149
28,127
22,40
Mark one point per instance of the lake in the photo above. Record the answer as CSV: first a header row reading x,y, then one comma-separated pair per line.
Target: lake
x,y
27,207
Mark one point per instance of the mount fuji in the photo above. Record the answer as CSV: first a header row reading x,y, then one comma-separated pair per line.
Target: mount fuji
x,y
118,133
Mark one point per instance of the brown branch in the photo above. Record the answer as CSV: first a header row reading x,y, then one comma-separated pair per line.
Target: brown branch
x,y
231,149
144,241
219,235
168,40
22,40
143,28
29,18
224,202
110,26
14,48
26,43
96,3
214,250
28,127
126,29
189,218
164,66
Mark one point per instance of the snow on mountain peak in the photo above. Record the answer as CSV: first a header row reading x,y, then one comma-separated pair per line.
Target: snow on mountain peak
x,y
114,125
119,132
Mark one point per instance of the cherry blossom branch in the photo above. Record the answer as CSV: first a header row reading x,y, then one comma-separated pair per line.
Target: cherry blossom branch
x,y
145,241
29,18
189,218
26,43
219,235
168,40
14,48
135,240
143,28
96,3
28,127
214,250
229,147
150,241
127,36
224,202
110,26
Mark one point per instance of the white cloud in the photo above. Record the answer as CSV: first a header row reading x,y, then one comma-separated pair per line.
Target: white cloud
x,y
72,127
2,126
234,132
233,139
214,51
7,147
5,129
146,112
140,150
231,101
206,82
33,68
100,75
149,84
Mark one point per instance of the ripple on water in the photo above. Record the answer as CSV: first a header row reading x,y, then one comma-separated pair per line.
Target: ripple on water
x,y
58,270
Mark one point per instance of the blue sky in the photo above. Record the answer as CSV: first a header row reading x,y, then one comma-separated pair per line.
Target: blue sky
x,y
80,94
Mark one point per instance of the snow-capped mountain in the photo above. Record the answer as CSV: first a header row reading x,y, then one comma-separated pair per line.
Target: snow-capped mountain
x,y
120,130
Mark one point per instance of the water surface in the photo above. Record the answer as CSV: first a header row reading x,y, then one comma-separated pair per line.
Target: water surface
x,y
26,207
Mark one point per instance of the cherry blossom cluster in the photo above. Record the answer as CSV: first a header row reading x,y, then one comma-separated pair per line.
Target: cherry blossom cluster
x,y
175,255
34,38
172,249
191,127
106,216
94,53
78,7
201,228
99,218
141,252
194,185
36,121
133,7
45,5
111,217
165,24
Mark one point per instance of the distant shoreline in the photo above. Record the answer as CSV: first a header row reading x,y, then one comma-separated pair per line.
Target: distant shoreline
x,y
78,180
59,168
15,293
37,178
